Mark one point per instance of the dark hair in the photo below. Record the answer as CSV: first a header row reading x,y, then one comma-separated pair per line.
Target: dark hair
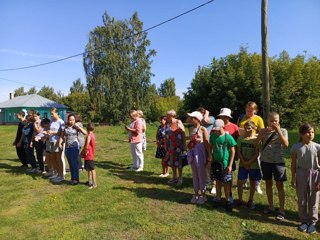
x,y
163,117
90,126
54,110
36,113
250,124
30,118
71,115
77,117
201,110
304,128
31,110
22,113
45,121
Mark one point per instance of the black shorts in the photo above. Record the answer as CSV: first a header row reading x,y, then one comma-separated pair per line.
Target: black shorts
x,y
277,169
89,165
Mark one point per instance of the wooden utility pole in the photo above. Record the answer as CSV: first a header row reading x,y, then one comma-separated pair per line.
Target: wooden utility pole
x,y
265,63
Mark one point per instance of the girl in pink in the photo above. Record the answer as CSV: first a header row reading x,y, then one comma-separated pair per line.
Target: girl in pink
x,y
88,155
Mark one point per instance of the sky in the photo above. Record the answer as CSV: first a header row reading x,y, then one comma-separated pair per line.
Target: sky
x,y
40,31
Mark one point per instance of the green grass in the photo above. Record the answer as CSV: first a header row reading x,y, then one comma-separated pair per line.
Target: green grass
x,y
126,205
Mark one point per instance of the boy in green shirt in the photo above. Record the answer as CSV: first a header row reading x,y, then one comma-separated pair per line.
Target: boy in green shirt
x,y
222,147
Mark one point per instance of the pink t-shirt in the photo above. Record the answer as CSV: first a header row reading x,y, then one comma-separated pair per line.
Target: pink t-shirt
x,y
233,130
90,152
136,137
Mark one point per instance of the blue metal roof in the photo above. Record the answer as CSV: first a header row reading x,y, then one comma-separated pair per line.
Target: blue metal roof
x,y
32,100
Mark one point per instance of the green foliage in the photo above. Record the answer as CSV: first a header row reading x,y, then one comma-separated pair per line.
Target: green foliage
x,y
48,92
80,103
117,65
77,87
167,88
19,92
32,90
234,80
161,105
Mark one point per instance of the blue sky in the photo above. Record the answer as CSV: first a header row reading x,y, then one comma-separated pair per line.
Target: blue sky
x,y
38,31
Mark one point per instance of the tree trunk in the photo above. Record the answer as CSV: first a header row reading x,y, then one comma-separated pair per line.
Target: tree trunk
x,y
265,63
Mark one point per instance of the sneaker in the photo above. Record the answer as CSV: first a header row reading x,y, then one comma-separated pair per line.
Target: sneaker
x,y
180,181
258,189
92,186
74,182
173,180
165,175
139,170
24,167
161,175
303,227
311,229
53,176
238,202
250,204
214,190
228,206
36,171
231,199
216,203
58,179
201,200
194,199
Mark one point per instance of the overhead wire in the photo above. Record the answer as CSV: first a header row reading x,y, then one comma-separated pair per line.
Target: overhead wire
x,y
79,54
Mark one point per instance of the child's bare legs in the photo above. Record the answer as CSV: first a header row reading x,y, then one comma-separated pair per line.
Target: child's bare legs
x,y
92,178
218,188
174,172
59,163
252,189
240,189
281,195
269,184
227,191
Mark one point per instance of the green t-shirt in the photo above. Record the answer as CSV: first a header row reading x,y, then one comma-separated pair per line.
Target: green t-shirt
x,y
220,144
248,149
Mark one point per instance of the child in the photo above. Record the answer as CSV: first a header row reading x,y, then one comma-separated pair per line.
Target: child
x,y
45,125
88,155
197,157
305,168
161,151
248,154
38,144
26,141
20,150
70,136
273,140
222,146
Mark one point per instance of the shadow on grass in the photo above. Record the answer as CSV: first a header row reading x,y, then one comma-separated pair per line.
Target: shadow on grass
x,y
265,236
159,194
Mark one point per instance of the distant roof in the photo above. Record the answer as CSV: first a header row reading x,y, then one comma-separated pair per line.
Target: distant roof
x,y
32,100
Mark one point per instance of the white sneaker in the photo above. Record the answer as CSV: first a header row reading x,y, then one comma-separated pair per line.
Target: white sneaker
x,y
214,190
166,175
139,170
258,189
194,199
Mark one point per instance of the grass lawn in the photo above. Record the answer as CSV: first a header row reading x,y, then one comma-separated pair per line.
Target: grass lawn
x,y
126,205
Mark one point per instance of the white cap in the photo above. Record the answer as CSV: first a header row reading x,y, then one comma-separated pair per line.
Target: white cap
x,y
196,114
218,124
225,112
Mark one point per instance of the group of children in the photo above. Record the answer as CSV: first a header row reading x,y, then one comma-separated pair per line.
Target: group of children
x,y
51,140
261,155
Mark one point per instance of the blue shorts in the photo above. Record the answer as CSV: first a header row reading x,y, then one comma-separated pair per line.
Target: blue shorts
x,y
254,174
225,178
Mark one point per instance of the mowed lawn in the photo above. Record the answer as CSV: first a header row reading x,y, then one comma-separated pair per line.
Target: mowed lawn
x,y
126,205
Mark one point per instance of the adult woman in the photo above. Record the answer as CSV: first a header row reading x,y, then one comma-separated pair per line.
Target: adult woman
x,y
251,111
70,136
136,139
175,142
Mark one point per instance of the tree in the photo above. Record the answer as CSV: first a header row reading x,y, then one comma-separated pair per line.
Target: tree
x,y
19,92
48,92
117,66
77,87
79,103
32,90
167,88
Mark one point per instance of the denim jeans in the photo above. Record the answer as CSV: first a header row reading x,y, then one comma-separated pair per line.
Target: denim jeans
x,y
72,155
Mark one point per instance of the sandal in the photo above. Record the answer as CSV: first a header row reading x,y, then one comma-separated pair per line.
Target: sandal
x,y
280,216
268,211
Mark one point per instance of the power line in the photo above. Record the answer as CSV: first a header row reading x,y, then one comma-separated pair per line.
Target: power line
x,y
79,54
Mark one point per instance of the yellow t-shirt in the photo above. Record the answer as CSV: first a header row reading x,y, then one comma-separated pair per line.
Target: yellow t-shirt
x,y
257,120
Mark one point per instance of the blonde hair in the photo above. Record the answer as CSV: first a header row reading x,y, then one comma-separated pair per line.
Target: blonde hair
x,y
273,114
172,113
252,105
140,113
250,124
133,113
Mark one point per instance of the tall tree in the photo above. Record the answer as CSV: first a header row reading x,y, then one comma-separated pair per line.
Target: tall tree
x,y
167,88
32,90
19,92
77,87
48,92
118,68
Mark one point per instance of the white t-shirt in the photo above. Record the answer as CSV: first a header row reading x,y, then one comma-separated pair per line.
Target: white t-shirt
x,y
56,125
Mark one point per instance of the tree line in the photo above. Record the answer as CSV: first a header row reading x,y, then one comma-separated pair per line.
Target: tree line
x,y
117,63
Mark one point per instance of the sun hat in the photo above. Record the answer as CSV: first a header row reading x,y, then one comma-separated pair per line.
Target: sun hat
x,y
225,112
218,124
196,114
